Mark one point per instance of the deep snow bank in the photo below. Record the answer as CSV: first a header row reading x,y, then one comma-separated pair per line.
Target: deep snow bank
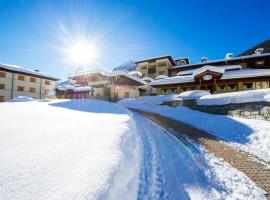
x,y
73,149
157,100
249,134
235,97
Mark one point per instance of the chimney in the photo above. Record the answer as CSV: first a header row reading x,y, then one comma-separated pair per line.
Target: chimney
x,y
259,51
228,56
204,59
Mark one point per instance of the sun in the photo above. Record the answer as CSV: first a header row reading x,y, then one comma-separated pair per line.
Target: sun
x,y
83,52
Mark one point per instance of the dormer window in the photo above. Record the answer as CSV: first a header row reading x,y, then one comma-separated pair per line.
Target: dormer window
x,y
182,62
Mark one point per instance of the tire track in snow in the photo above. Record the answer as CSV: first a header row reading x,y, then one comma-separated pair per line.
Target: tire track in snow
x,y
151,175
158,177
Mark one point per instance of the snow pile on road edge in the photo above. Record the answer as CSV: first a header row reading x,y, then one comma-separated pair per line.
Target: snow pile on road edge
x,y
235,97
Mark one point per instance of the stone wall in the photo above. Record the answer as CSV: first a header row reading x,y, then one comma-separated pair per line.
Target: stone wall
x,y
251,110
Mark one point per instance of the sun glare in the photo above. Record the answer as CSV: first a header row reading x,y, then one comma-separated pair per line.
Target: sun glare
x,y
83,53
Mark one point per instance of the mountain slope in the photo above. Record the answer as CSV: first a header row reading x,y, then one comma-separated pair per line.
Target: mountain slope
x,y
265,44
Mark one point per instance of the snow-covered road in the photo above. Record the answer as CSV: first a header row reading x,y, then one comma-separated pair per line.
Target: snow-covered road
x,y
171,169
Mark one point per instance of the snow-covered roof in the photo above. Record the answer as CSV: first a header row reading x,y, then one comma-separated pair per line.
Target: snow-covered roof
x,y
135,72
246,73
88,72
201,70
223,60
74,88
18,69
173,80
108,74
161,76
121,73
226,67
234,74
147,79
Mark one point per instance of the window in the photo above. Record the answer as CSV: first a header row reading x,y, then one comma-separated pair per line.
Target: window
x,y
2,98
248,86
2,86
182,62
259,63
169,91
21,77
232,87
162,64
2,74
144,67
20,88
261,85
47,82
32,79
221,88
32,89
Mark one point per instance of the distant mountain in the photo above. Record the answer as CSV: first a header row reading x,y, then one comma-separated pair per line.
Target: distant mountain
x,y
129,66
265,45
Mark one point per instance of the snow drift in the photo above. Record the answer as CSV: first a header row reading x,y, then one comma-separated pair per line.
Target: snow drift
x,y
72,149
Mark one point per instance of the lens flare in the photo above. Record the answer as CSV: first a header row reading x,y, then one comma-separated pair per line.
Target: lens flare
x,y
83,53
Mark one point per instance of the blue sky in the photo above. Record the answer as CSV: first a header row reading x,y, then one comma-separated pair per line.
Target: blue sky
x,y
33,33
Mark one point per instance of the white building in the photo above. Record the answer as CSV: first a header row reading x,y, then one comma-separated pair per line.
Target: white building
x,y
15,81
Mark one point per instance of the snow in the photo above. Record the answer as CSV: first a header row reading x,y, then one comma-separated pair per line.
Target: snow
x,y
88,149
248,134
226,67
233,74
182,170
235,97
161,76
206,68
193,94
173,80
21,99
147,79
16,68
68,149
210,62
135,72
158,100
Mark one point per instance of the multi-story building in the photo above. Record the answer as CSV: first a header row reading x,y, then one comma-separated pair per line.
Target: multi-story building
x,y
15,81
217,76
154,67
99,84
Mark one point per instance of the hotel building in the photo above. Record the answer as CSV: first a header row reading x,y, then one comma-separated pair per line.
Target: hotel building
x,y
15,81
217,76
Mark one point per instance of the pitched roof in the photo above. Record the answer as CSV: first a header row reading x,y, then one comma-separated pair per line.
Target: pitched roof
x,y
18,69
234,74
156,58
210,62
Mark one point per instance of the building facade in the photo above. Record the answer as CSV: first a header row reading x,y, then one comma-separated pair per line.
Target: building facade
x,y
99,84
218,76
15,81
154,67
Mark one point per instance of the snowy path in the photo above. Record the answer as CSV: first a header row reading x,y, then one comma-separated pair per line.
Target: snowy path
x,y
174,170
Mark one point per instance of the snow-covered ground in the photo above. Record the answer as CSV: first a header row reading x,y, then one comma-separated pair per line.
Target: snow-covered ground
x,y
235,97
174,170
87,149
249,134
75,149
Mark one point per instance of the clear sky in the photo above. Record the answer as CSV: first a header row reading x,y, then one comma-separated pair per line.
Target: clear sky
x,y
35,33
